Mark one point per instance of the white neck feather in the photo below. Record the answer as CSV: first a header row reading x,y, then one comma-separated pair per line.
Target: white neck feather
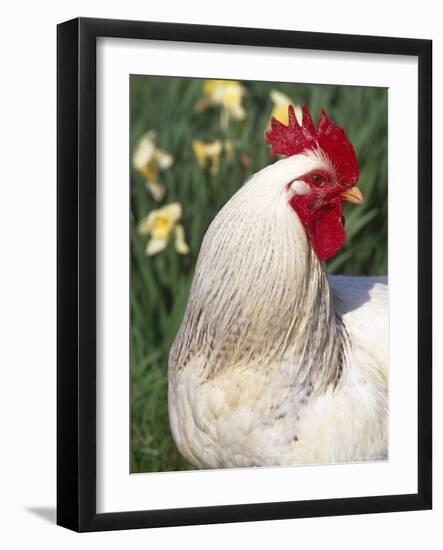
x,y
259,292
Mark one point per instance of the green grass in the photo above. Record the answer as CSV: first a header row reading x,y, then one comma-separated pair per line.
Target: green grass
x,y
160,284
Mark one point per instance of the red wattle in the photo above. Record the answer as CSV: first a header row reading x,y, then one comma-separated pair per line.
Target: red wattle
x,y
329,234
323,225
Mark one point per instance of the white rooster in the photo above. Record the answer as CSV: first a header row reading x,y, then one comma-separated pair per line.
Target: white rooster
x,y
276,363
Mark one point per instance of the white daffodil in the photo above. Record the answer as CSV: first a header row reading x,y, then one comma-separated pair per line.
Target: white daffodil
x,y
280,110
228,95
160,225
148,159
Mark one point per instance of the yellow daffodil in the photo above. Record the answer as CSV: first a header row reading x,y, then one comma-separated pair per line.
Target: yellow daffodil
x,y
148,159
208,153
280,110
160,225
228,95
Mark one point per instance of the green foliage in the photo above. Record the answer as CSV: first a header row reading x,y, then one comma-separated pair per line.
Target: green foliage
x,y
160,284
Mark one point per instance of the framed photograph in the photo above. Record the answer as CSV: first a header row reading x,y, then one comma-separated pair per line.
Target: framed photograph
x,y
244,274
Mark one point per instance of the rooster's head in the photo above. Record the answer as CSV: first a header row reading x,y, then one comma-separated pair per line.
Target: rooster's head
x,y
317,196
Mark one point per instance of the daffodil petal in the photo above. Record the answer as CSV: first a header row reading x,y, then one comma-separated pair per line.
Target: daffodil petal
x,y
173,211
143,153
209,86
208,152
199,152
280,110
155,246
180,243
298,114
156,189
145,225
280,99
214,148
223,92
164,160
237,112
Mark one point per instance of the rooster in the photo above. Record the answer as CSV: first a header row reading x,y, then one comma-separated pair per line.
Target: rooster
x,y
276,363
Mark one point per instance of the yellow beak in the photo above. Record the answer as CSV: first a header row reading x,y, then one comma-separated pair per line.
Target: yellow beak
x,y
353,195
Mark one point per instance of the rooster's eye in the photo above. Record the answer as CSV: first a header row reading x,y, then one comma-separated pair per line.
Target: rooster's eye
x,y
318,180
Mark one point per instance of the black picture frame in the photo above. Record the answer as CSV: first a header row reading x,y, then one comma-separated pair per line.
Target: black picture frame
x,y
76,280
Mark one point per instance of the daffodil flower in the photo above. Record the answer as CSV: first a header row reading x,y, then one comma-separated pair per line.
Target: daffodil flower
x,y
228,95
208,153
160,226
148,159
280,110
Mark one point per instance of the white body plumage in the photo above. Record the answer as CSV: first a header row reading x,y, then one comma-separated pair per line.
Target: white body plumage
x,y
276,364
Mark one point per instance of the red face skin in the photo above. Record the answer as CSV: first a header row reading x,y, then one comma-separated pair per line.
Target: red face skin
x,y
321,212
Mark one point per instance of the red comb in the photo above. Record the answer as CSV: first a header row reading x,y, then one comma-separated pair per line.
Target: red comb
x,y
331,138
